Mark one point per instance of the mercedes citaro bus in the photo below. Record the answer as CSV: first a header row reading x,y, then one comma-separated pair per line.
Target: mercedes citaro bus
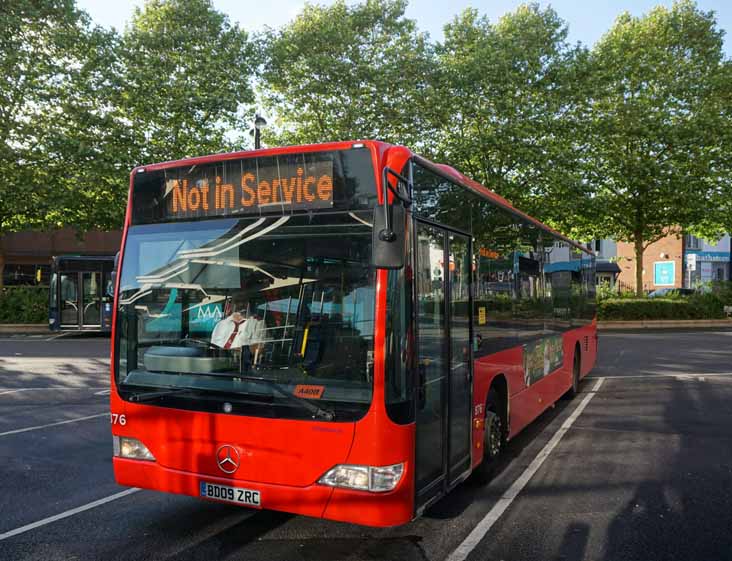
x,y
344,330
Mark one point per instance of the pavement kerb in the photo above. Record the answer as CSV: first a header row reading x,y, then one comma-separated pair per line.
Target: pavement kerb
x,y
663,324
23,328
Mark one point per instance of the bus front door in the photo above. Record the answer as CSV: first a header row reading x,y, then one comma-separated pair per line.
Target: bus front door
x,y
80,300
443,361
91,310
69,300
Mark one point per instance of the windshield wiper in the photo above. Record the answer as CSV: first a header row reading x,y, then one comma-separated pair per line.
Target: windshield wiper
x,y
150,396
317,411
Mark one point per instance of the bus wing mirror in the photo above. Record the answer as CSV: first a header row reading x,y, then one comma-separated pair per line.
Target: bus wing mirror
x,y
388,236
390,223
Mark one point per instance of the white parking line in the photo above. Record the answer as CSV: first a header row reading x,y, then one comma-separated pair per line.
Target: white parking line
x,y
75,420
67,513
479,532
59,336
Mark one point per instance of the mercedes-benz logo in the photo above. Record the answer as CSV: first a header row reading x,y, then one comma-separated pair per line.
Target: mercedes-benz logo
x,y
227,458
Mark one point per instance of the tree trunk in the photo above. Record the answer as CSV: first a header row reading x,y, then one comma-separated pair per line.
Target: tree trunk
x,y
638,243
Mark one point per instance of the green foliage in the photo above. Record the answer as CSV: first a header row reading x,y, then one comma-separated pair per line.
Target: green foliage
x,y
57,143
658,130
504,104
700,306
624,140
604,292
186,75
723,291
347,71
80,106
24,304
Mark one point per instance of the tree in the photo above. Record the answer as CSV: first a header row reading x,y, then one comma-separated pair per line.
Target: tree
x,y
505,102
187,74
344,72
53,120
658,119
80,106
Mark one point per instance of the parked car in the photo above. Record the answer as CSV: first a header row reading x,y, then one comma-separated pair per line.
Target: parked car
x,y
671,292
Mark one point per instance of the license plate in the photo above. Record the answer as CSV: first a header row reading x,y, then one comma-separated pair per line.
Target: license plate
x,y
237,495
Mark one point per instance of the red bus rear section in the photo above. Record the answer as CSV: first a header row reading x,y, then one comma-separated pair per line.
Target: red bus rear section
x,y
263,356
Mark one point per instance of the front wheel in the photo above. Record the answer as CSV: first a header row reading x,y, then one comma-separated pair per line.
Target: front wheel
x,y
494,438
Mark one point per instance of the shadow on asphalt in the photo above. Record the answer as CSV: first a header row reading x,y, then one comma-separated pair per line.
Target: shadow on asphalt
x,y
317,549
683,511
95,372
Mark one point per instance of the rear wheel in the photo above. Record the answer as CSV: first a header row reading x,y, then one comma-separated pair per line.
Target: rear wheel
x,y
574,389
494,437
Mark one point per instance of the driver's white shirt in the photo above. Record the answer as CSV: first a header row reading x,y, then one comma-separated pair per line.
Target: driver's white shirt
x,y
251,331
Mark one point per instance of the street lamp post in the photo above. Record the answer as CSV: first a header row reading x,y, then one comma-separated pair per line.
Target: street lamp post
x,y
259,123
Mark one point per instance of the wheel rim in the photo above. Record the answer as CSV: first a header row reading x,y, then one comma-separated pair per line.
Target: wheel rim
x,y
494,435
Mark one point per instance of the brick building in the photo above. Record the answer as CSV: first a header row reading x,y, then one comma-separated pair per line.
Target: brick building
x,y
676,261
26,256
663,263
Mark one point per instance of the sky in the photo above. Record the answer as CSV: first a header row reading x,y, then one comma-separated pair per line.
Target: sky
x,y
587,19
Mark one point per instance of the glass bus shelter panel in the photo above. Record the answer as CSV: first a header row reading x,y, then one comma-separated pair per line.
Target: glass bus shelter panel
x,y
69,297
459,271
432,353
92,298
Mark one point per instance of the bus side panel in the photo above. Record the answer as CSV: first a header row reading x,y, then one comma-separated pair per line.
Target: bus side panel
x,y
589,345
485,369
528,404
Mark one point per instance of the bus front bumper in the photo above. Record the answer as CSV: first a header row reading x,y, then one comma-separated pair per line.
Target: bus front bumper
x,y
318,501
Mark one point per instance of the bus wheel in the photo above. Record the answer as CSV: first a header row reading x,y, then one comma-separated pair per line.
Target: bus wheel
x,y
574,389
494,438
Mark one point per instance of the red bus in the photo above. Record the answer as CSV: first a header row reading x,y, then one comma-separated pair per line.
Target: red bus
x,y
344,331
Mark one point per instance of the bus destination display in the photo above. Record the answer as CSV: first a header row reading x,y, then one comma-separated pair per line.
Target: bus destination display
x,y
249,186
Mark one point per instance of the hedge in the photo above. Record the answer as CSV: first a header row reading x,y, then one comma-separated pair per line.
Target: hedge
x,y
24,304
699,306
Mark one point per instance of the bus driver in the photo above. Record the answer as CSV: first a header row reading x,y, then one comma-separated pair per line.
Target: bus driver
x,y
239,330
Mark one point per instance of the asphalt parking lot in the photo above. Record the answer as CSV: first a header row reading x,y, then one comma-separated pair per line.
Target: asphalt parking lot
x,y
637,467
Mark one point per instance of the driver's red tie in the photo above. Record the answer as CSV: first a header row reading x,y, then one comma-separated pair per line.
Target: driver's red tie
x,y
231,338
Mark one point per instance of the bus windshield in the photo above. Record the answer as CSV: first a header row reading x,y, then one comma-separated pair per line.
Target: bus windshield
x,y
238,309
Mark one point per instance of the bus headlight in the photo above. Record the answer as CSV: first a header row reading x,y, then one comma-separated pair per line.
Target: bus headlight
x,y
131,448
364,478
